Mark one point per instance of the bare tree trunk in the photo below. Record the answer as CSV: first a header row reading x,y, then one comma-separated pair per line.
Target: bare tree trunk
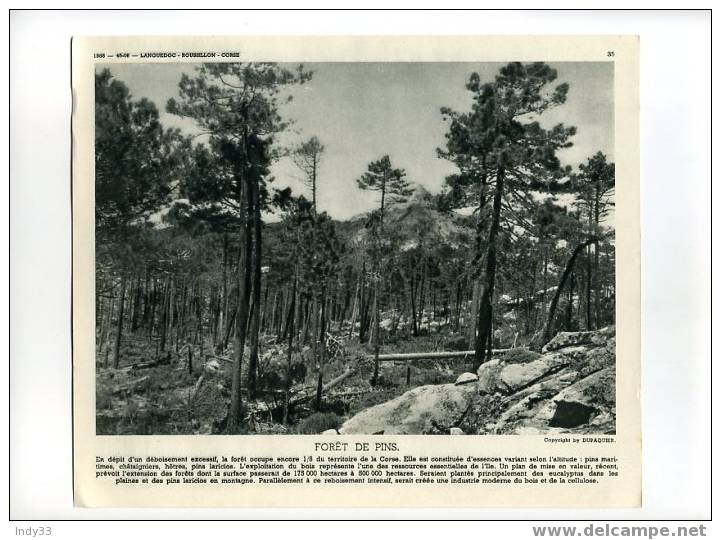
x,y
457,314
413,302
473,322
569,307
596,246
244,275
376,333
134,319
264,312
597,285
255,323
106,335
171,305
289,363
163,320
485,309
363,313
422,300
355,308
548,329
153,309
118,336
321,351
199,315
589,319
223,316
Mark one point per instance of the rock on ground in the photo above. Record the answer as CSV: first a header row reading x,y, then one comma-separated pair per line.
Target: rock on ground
x,y
465,378
570,388
426,409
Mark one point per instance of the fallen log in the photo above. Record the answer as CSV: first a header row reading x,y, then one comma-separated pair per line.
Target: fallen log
x,y
228,360
130,386
331,384
196,389
132,367
429,355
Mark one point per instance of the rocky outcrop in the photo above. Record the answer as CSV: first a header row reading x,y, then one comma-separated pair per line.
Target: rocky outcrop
x,y
466,378
434,408
596,338
571,387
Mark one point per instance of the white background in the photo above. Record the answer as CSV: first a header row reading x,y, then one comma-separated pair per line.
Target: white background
x,y
676,227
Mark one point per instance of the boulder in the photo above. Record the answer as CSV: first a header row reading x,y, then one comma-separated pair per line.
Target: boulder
x,y
596,360
488,376
213,366
575,352
466,378
570,339
426,409
567,339
582,406
456,431
598,390
514,377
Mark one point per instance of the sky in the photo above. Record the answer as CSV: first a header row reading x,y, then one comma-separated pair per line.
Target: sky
x,y
362,111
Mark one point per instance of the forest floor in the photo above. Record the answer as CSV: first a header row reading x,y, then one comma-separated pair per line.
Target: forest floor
x,y
145,396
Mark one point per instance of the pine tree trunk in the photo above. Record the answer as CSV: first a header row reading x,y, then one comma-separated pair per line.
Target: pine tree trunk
x,y
413,302
321,352
153,309
354,310
589,320
569,307
244,276
485,309
289,363
473,319
376,333
597,286
363,306
264,310
596,246
548,329
457,311
223,315
199,315
119,334
136,306
422,300
545,284
255,323
146,301
105,337
171,306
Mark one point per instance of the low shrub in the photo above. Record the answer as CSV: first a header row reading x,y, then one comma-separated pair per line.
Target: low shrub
x,y
318,423
520,356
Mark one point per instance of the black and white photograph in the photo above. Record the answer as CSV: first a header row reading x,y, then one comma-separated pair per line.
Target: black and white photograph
x,y
375,248
435,265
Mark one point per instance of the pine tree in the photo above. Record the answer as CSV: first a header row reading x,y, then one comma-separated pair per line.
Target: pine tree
x,y
594,187
137,165
236,105
381,176
307,157
500,145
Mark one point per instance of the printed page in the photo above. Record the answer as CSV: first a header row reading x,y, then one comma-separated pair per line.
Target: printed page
x,y
356,271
